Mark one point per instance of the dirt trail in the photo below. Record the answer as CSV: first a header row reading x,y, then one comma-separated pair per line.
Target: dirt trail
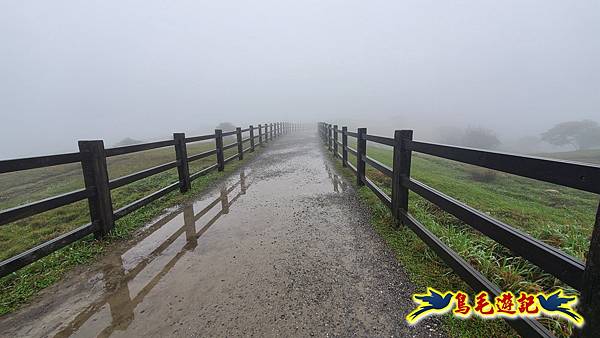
x,y
282,248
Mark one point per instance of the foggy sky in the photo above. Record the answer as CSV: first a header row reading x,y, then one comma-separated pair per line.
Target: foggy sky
x,y
144,69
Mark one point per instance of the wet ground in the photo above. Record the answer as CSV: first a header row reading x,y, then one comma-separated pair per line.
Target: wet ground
x,y
282,248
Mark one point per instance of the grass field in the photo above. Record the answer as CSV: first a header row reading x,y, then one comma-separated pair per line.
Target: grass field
x,y
559,216
587,156
31,185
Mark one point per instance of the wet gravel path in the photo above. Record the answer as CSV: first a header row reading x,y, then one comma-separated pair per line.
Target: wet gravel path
x,y
283,248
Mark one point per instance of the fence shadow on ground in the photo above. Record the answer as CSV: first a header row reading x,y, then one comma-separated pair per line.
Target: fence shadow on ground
x,y
186,226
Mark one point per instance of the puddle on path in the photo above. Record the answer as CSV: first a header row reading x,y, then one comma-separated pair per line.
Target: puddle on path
x,y
132,275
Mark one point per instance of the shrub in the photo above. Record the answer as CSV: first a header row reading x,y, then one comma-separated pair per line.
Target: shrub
x,y
483,175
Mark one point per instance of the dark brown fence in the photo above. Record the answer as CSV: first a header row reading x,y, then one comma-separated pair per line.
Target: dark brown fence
x,y
584,277
92,156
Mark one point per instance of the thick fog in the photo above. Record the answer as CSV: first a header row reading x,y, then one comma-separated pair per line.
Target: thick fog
x,y
143,69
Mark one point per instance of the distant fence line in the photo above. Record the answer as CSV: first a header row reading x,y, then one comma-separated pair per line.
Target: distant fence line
x,y
92,156
584,277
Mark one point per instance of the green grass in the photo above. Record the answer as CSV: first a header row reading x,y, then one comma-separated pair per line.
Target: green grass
x,y
22,187
31,185
587,156
559,216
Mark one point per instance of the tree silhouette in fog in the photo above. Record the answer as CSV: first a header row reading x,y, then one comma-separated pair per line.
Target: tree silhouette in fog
x,y
583,134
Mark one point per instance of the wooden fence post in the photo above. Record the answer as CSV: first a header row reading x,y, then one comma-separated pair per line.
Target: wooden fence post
x,y
590,293
266,133
335,141
251,138
344,146
219,146
361,152
240,145
320,130
260,135
95,177
396,180
401,171
329,137
271,130
183,169
326,134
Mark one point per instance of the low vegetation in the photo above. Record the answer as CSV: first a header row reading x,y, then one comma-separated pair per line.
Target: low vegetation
x,y
559,216
27,186
482,174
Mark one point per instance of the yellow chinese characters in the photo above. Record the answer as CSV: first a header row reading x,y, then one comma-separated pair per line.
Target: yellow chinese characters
x,y
504,305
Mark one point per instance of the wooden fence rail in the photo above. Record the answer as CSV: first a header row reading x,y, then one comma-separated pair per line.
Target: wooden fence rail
x,y
92,157
584,277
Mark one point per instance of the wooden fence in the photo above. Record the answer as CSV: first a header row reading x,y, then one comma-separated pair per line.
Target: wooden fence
x,y
584,277
92,156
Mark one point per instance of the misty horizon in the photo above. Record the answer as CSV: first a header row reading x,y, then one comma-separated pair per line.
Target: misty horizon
x,y
111,70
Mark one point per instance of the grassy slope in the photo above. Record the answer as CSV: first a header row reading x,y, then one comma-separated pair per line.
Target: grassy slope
x,y
588,156
22,187
559,216
27,186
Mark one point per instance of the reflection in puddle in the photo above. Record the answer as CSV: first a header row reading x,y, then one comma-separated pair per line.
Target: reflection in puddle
x,y
129,277
338,183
